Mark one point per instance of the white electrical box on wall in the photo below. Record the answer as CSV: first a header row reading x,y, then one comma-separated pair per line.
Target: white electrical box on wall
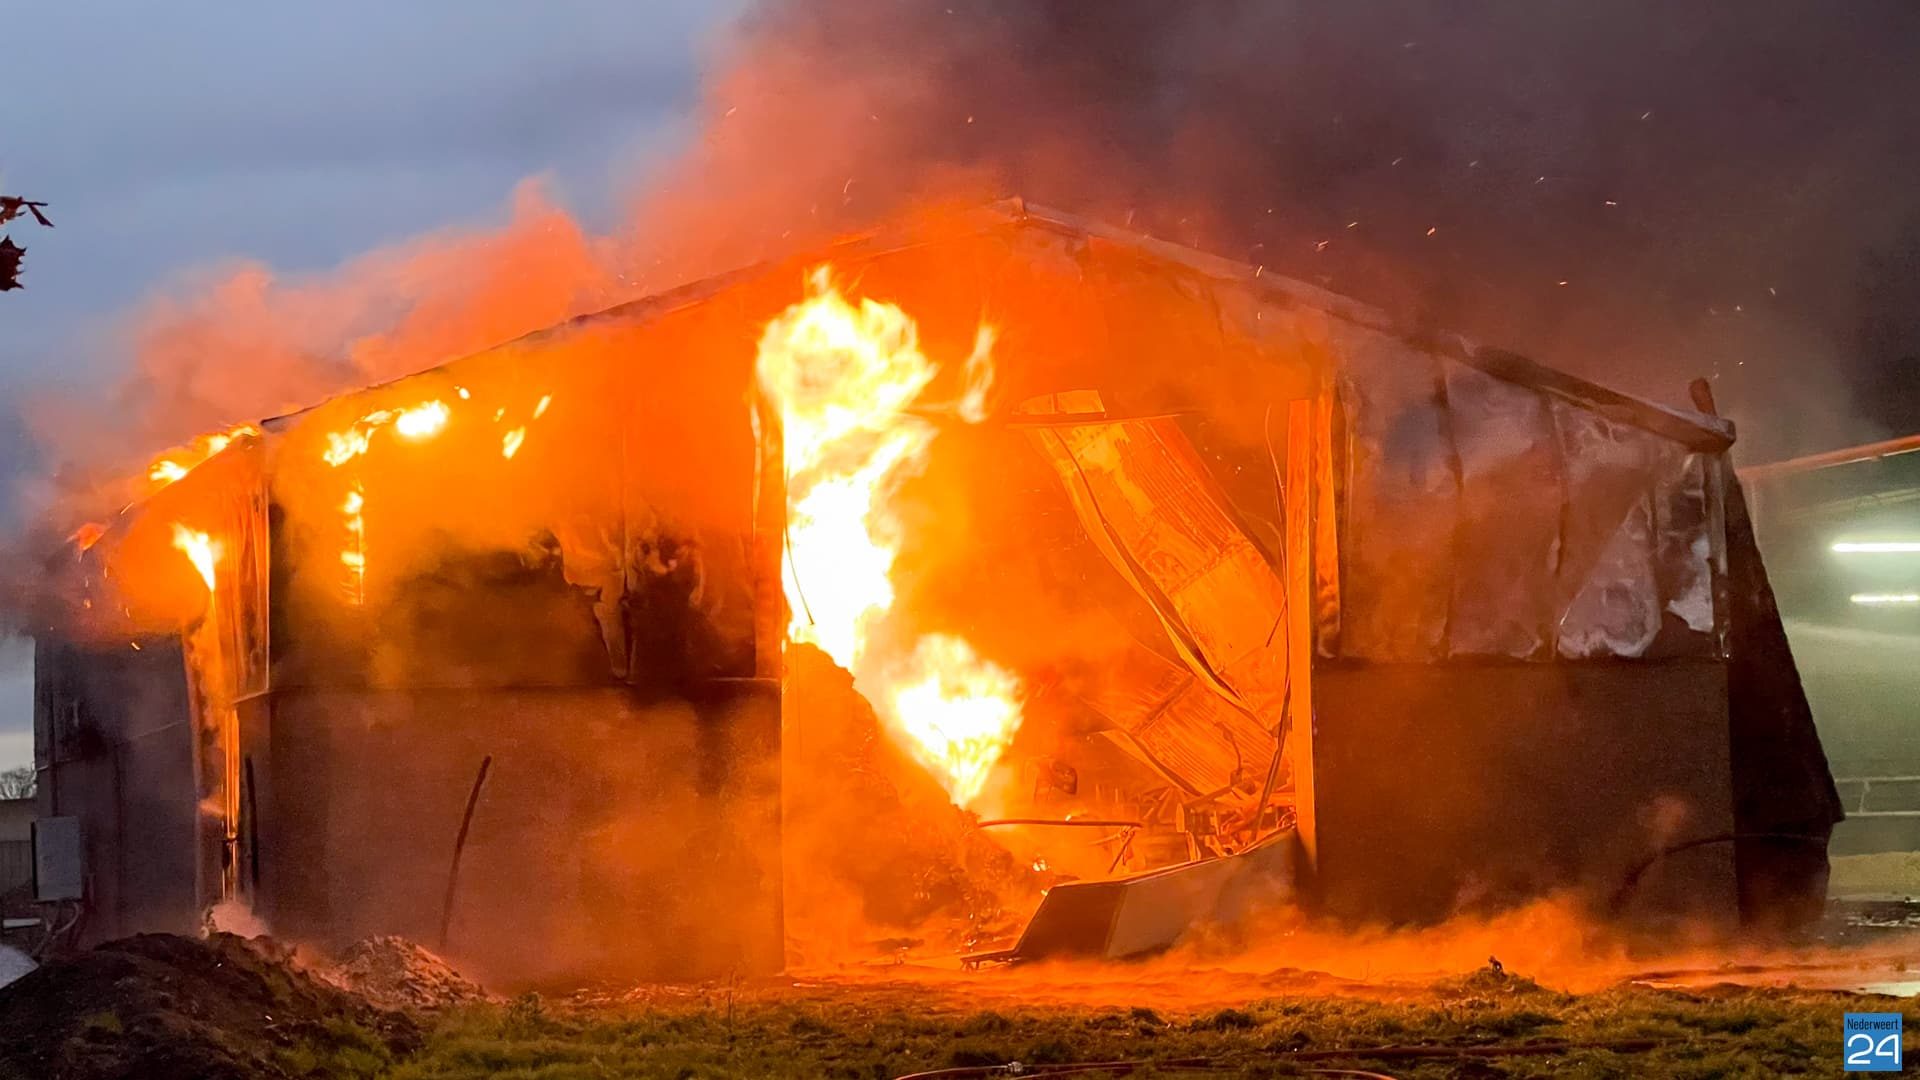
x,y
59,861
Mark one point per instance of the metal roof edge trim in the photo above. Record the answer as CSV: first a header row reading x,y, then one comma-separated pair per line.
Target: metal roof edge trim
x,y
1697,431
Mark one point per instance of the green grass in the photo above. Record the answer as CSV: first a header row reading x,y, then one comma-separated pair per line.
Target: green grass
x,y
346,1052
104,1024
882,1032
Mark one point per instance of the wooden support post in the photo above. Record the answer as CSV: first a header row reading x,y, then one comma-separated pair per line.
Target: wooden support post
x,y
1300,499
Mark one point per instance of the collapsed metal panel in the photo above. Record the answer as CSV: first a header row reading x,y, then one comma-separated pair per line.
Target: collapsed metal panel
x,y
1685,552
1148,913
1484,518
1507,543
1403,493
1178,725
1607,600
1143,496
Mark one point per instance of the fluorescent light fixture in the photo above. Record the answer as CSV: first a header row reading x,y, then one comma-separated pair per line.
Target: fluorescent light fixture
x,y
1878,547
1885,598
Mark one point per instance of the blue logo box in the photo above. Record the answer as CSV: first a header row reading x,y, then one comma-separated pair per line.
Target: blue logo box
x,y
1872,1042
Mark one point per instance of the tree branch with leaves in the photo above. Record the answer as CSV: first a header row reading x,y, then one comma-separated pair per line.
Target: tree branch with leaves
x,y
11,207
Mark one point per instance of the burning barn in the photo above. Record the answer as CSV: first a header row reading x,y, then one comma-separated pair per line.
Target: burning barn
x,y
1147,558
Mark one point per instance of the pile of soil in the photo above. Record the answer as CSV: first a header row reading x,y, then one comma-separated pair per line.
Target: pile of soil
x,y
165,1007
394,973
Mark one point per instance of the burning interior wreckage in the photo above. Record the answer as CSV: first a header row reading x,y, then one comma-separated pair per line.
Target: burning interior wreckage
x,y
1197,588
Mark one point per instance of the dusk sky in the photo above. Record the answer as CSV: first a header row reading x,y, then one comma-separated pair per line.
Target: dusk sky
x,y
169,138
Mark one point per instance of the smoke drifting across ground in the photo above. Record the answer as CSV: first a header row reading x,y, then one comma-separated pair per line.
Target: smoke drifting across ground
x,y
1637,192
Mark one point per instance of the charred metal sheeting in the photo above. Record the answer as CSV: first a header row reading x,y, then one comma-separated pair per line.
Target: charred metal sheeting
x,y
1169,719
1489,518
1150,912
1146,500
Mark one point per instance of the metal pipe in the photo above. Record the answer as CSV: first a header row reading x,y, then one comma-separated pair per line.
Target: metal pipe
x,y
1906,444
1084,823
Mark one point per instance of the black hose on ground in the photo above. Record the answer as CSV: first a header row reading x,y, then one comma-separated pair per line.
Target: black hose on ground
x,y
1114,1068
1370,1053
1632,881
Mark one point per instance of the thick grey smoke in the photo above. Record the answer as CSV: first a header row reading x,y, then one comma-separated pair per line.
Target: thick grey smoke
x,y
1641,192
1637,191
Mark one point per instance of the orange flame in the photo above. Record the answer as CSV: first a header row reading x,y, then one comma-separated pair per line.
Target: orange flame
x,y
843,377
175,464
201,550
421,421
166,471
87,535
959,709
354,555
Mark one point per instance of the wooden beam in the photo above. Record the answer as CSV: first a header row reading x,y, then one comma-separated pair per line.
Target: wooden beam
x,y
1299,493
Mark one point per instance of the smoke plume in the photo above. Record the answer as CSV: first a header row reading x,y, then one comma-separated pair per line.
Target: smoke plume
x,y
1637,192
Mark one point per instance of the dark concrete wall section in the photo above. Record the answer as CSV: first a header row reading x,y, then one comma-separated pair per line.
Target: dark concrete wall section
x,y
614,837
1468,787
115,748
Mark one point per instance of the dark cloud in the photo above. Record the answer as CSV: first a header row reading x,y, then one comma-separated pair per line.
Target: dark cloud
x,y
1707,180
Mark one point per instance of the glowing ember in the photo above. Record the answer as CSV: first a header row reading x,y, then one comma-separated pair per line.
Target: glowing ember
x,y
201,550
843,377
166,471
178,463
86,535
354,556
344,446
422,421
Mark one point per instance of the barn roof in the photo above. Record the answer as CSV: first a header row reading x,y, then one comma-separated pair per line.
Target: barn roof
x,y
1696,431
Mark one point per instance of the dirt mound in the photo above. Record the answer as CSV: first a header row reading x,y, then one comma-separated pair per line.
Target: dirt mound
x,y
394,973
164,1007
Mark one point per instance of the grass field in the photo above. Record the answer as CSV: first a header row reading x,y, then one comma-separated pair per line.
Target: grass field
x,y
883,1029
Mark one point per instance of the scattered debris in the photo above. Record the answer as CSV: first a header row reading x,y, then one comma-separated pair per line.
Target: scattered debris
x,y
1147,913
394,973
